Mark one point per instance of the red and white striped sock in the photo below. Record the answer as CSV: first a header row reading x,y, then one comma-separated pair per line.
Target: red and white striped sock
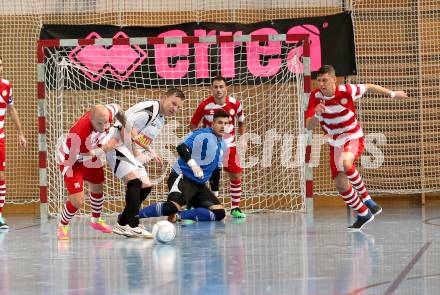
x,y
356,181
2,195
96,201
352,199
68,212
235,190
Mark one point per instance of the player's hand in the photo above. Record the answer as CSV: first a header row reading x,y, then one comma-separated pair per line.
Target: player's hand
x,y
242,143
320,108
98,153
143,158
156,157
198,172
400,94
158,160
22,141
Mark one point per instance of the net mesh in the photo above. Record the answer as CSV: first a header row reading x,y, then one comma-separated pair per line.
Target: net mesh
x,y
397,45
273,176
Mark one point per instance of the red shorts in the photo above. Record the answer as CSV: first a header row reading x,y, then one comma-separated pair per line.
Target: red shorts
x,y
2,154
75,175
233,161
355,146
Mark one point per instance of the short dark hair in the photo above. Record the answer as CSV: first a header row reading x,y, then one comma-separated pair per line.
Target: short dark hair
x,y
175,92
326,69
220,114
218,78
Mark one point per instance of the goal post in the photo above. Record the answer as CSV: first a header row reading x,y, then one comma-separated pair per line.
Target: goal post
x,y
269,74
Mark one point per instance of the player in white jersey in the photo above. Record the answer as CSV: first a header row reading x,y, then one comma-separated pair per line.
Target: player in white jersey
x,y
145,120
6,105
332,106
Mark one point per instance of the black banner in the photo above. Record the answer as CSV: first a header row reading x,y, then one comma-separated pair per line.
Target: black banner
x,y
332,42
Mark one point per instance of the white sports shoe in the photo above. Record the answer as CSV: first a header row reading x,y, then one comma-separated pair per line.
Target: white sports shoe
x,y
120,229
132,232
145,233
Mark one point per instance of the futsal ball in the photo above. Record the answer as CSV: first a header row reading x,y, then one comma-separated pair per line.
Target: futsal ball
x,y
164,231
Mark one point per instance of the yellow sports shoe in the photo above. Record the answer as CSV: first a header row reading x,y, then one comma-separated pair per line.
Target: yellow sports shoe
x,y
63,232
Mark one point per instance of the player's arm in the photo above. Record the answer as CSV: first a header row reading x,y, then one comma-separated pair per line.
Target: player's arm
x,y
314,110
110,145
120,116
197,117
152,155
12,112
142,142
241,128
185,154
384,91
240,120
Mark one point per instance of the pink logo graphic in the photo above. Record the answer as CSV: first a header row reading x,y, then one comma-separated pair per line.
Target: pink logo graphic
x,y
119,60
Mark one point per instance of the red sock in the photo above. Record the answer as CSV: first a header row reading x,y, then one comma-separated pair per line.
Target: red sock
x,y
68,212
235,190
356,181
352,199
96,201
2,194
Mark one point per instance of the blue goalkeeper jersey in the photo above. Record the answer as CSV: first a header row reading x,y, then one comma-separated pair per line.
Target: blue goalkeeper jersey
x,y
207,149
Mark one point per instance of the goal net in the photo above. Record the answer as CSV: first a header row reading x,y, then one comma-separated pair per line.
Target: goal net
x,y
270,85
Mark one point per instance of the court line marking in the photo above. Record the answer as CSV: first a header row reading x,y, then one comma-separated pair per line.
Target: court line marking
x,y
29,226
359,291
407,269
429,221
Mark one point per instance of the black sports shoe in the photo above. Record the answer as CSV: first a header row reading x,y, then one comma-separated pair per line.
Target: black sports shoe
x,y
361,221
374,208
3,224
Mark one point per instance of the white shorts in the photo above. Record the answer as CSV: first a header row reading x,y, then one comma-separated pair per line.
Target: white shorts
x,y
122,162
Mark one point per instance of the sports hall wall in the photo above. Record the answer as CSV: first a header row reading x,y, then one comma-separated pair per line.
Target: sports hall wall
x,y
397,46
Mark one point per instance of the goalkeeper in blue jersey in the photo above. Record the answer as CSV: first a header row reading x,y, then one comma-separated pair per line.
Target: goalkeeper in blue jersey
x,y
199,155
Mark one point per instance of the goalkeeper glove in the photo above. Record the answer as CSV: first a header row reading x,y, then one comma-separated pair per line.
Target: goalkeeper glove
x,y
198,172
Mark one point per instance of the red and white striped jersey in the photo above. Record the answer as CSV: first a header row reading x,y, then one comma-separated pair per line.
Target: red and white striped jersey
x,y
82,138
6,99
339,120
205,113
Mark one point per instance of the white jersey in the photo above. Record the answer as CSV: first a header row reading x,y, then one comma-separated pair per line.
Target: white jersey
x,y
147,120
145,117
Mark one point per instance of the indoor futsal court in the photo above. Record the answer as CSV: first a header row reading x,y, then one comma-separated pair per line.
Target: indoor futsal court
x,y
173,147
269,253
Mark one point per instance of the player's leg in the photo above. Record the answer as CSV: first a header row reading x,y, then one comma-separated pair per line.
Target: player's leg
x,y
95,178
338,161
128,221
73,180
145,192
234,170
206,207
214,181
356,147
3,224
126,167
180,191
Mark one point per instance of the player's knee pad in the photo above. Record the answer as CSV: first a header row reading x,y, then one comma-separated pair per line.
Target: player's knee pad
x,y
219,213
176,197
169,208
